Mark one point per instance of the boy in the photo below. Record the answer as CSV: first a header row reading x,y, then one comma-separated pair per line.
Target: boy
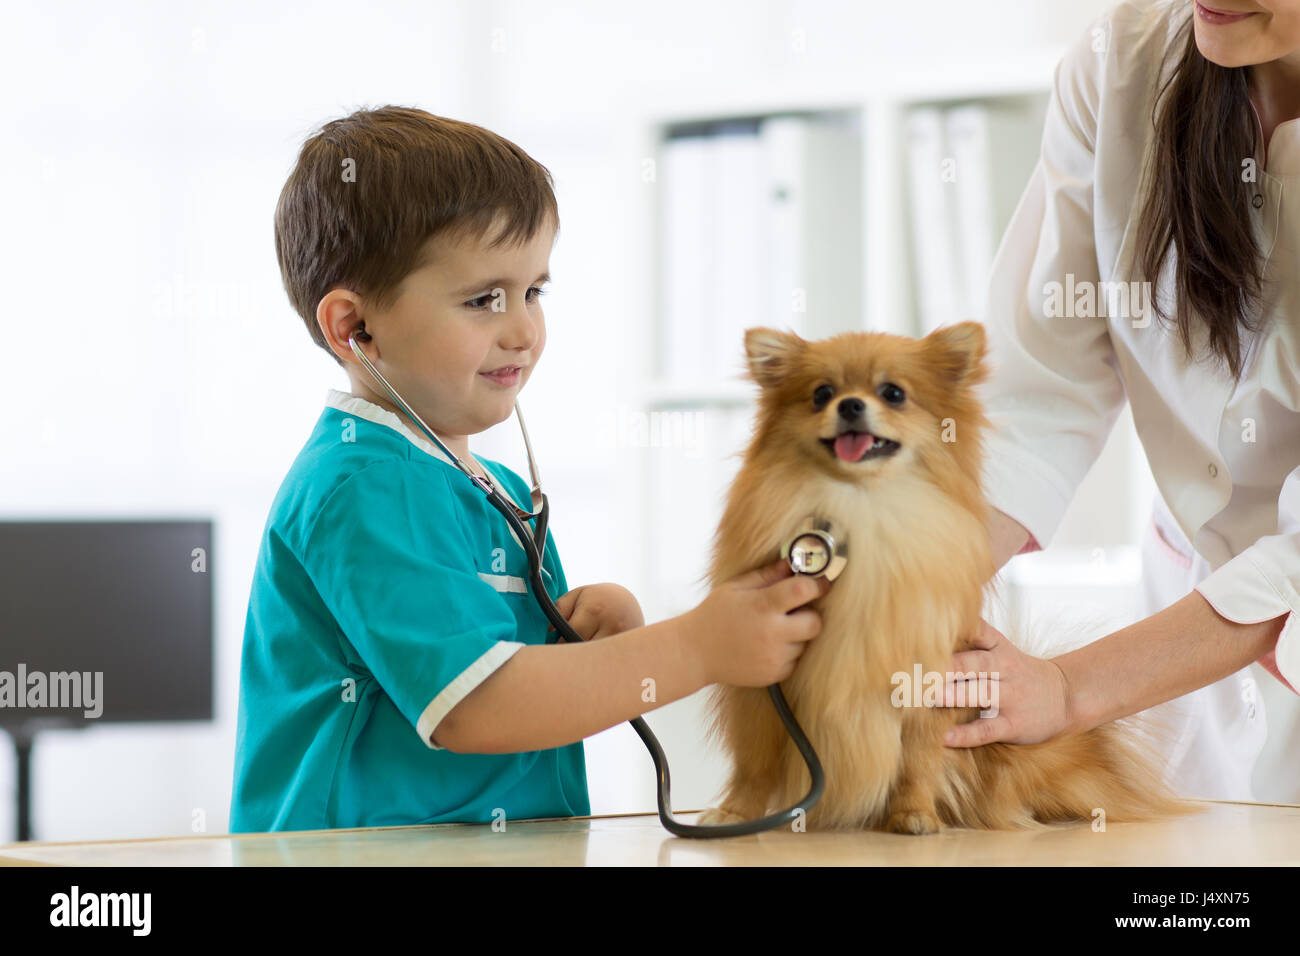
x,y
394,670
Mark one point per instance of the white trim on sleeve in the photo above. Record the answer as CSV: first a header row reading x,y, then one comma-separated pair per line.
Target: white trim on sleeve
x,y
460,687
1245,592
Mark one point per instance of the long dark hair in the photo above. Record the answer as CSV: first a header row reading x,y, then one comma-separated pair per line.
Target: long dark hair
x,y
1198,201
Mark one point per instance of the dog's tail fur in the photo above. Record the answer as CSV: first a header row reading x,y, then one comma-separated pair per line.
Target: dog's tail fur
x,y
1105,774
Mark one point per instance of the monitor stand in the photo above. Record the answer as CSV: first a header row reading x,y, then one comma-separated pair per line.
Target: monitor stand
x,y
23,736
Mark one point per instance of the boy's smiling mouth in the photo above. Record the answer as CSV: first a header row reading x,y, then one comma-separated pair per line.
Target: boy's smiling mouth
x,y
505,375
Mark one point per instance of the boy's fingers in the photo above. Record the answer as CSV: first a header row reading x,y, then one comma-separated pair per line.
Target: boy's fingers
x,y
805,624
580,624
583,623
762,577
564,603
797,591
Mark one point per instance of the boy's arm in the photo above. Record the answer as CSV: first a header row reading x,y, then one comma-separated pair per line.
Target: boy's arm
x,y
550,695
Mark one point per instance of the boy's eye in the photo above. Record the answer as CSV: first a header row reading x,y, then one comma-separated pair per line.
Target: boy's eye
x,y
892,393
822,395
485,301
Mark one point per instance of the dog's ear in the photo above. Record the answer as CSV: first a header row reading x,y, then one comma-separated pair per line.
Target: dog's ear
x,y
770,352
958,353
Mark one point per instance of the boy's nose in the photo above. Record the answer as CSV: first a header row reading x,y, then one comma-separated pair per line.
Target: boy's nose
x,y
522,332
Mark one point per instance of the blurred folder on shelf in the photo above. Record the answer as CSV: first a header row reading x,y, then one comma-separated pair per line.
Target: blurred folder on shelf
x,y
760,226
967,167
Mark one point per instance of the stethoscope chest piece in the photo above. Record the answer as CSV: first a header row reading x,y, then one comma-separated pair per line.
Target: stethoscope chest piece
x,y
813,550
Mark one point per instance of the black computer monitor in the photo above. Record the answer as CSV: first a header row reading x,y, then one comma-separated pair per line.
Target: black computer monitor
x,y
101,622
127,604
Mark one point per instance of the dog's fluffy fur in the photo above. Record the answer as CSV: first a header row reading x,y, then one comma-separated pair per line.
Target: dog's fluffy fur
x,y
912,592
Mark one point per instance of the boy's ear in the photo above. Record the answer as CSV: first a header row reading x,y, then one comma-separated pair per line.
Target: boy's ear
x,y
770,353
958,353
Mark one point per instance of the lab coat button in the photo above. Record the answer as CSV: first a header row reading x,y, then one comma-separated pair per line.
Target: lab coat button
x,y
1258,200
1214,470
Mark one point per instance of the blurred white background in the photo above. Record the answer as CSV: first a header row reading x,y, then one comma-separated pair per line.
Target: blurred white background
x,y
160,370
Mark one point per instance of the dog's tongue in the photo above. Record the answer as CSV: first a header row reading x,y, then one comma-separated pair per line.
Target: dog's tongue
x,y
851,446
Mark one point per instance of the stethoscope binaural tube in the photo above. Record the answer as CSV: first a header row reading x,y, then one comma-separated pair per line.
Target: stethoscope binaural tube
x,y
533,544
484,482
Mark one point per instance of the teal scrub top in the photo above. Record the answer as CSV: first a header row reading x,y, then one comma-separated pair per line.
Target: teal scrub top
x,y
386,589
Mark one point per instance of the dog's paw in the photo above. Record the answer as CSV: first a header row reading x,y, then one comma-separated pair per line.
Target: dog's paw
x,y
716,816
913,821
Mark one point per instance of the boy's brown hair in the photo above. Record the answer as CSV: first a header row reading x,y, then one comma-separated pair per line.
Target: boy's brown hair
x,y
369,190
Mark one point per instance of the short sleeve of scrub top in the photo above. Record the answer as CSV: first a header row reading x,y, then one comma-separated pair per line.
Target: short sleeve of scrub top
x,y
398,570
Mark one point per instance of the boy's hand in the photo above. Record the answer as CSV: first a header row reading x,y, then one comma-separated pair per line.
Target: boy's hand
x,y
599,610
751,630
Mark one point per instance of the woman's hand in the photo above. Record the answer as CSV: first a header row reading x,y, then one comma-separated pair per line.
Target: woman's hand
x,y
599,610
1030,695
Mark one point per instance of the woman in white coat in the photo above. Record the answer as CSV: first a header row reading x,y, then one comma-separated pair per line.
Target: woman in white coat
x,y
1171,151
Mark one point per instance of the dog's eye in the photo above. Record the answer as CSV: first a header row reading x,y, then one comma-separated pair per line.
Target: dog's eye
x,y
822,395
892,393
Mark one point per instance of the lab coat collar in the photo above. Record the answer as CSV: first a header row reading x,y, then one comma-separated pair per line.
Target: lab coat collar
x,y
1284,150
1281,154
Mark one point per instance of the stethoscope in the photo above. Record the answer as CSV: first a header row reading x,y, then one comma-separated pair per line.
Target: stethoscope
x,y
813,551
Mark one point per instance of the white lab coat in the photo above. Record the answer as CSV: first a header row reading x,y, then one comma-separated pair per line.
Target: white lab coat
x,y
1225,456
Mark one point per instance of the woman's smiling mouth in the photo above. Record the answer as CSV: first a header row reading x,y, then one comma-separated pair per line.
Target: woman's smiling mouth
x,y
1220,17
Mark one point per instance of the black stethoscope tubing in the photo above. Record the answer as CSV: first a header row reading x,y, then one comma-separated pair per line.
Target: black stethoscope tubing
x,y
699,831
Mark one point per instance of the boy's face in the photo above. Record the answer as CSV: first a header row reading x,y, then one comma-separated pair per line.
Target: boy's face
x,y
463,337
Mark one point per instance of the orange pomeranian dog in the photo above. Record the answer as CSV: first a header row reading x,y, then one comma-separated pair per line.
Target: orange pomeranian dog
x,y
880,435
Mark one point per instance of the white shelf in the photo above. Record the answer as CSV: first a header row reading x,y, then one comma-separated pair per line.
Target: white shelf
x,y
664,394
884,81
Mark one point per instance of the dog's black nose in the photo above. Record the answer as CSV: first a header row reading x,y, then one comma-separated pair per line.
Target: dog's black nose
x,y
851,409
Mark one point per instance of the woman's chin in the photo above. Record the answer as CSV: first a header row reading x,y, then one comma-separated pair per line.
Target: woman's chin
x,y
1221,52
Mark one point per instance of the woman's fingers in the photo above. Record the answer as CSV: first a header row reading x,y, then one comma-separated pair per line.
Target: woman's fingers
x,y
972,680
981,691
1033,709
986,636
981,662
976,733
